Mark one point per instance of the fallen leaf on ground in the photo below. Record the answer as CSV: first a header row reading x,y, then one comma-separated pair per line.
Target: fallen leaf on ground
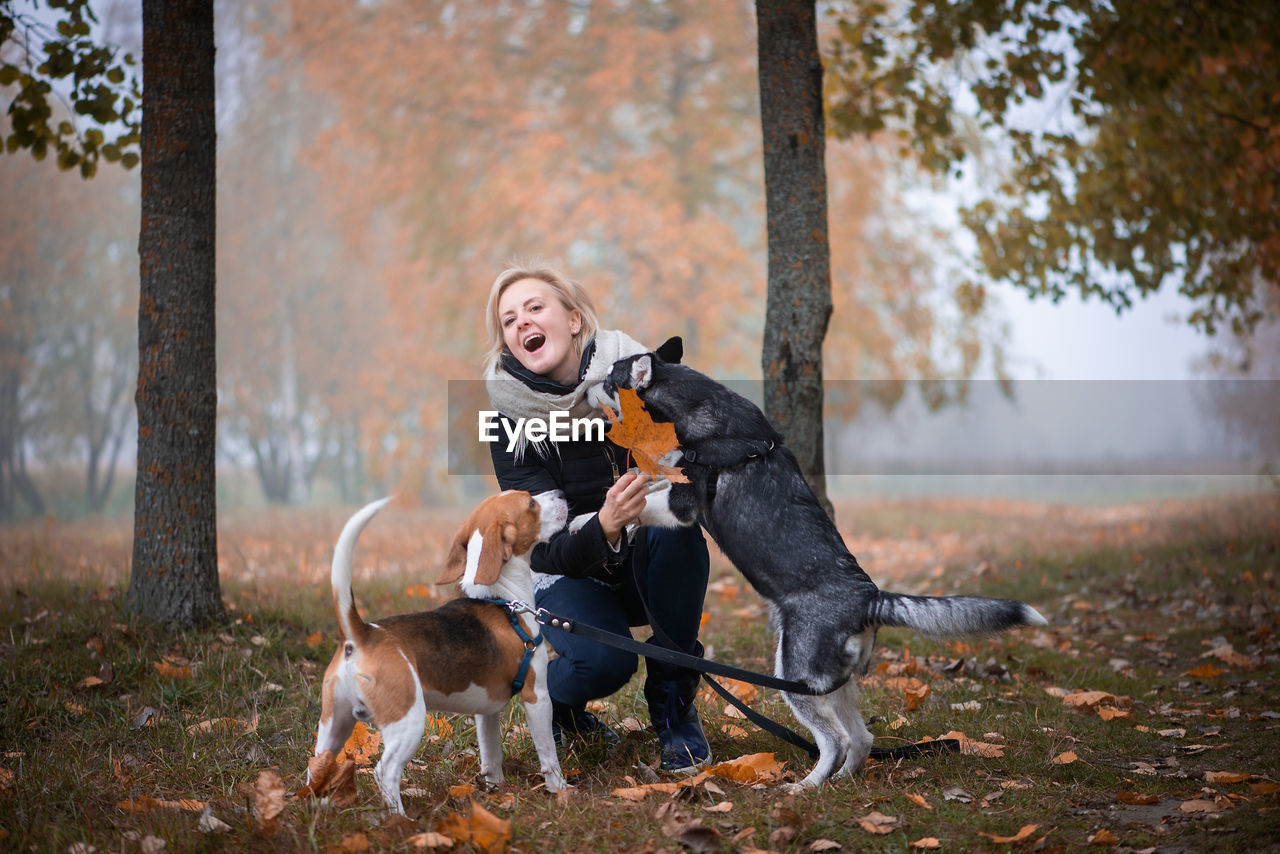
x,y
631,723
1065,758
723,806
147,717
1023,834
1228,654
878,822
1203,805
919,800
972,747
1108,713
1087,699
105,675
781,837
430,839
315,639
752,768
482,828
1227,777
639,793
221,725
1265,788
1206,671
209,823
462,790
914,697
362,746
148,804
1103,837
332,779
1137,798
354,842
172,671
268,799
927,843
824,845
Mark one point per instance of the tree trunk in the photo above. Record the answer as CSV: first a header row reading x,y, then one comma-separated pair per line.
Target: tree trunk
x,y
799,301
175,549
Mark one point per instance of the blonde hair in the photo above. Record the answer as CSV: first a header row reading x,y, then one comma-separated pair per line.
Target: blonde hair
x,y
572,295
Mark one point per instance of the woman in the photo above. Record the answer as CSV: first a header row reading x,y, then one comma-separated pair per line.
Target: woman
x,y
545,350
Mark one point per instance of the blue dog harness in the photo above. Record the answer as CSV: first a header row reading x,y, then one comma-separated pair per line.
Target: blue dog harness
x,y
513,610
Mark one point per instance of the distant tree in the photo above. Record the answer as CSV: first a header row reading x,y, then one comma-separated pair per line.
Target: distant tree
x,y
622,140
798,307
22,313
1138,141
68,328
175,549
61,72
298,315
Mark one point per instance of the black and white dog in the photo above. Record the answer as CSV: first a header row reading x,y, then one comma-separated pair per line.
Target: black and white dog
x,y
746,489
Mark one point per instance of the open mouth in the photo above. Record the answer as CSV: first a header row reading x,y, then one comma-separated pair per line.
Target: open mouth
x,y
534,342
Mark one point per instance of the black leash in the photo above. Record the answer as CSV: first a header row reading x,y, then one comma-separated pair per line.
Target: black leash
x,y
777,730
671,655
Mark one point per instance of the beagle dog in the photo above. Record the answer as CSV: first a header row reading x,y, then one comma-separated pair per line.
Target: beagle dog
x,y
467,656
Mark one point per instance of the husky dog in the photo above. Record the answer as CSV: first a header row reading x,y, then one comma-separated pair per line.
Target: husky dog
x,y
746,489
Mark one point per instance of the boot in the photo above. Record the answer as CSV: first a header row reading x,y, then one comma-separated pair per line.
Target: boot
x,y
577,723
670,691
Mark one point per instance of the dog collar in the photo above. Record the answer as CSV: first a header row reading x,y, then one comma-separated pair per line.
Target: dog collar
x,y
690,460
531,643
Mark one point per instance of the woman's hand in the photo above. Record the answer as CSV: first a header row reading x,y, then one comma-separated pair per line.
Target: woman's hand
x,y
623,504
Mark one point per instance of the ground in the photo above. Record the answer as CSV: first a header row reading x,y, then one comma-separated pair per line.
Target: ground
x,y
1143,718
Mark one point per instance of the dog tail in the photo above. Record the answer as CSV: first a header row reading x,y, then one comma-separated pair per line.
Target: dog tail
x,y
344,605
949,616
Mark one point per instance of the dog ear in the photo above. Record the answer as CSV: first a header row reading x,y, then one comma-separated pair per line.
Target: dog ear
x,y
456,563
495,551
641,372
671,351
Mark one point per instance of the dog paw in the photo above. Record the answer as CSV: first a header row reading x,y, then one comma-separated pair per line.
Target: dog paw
x,y
577,523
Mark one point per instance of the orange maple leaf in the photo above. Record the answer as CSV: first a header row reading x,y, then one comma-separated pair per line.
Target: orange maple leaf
x,y
482,829
173,667
750,769
331,778
362,746
648,440
1023,834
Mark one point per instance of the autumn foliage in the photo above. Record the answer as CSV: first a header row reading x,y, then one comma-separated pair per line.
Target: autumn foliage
x,y
647,440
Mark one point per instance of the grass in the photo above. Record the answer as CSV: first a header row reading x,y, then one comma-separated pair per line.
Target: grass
x,y
1140,600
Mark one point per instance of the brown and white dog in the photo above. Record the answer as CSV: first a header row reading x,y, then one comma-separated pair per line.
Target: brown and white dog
x,y
462,657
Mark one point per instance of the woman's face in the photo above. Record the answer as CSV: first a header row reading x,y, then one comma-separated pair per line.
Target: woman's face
x,y
539,330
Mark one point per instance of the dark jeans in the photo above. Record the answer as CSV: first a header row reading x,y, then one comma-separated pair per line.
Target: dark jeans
x,y
671,567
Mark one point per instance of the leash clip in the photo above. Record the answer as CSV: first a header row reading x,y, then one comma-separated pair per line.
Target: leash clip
x,y
516,606
546,618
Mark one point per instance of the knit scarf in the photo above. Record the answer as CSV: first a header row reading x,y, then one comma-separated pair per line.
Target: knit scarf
x,y
515,398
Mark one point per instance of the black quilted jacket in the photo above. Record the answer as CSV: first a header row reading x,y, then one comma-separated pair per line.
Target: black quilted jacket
x,y
584,471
